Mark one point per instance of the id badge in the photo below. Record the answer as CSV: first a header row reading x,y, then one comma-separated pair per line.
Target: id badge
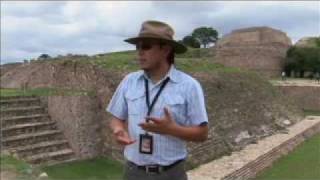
x,y
146,144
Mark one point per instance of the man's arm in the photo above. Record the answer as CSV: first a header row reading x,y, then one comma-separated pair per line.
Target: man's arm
x,y
119,130
194,133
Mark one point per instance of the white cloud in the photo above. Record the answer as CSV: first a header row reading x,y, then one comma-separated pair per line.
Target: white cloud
x,y
29,29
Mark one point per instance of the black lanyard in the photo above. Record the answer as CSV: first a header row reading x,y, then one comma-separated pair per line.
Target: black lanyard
x,y
156,96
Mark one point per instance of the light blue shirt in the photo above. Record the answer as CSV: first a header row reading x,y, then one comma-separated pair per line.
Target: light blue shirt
x,y
182,95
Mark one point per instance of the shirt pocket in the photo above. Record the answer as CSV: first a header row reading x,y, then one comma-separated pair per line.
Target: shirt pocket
x,y
134,101
177,107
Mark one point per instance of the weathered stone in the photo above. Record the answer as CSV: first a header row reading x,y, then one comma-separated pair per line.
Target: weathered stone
x,y
262,49
43,176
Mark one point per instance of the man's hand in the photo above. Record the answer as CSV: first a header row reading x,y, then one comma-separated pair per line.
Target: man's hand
x,y
167,125
122,137
163,125
120,133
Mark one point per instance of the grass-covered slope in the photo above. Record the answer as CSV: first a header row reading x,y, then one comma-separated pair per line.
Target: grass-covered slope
x,y
302,163
194,60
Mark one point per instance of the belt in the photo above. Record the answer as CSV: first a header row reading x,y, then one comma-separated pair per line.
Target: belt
x,y
156,169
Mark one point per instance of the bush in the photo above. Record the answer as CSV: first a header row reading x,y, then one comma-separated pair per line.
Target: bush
x,y
302,59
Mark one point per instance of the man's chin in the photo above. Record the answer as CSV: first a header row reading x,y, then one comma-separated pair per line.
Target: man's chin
x,y
144,68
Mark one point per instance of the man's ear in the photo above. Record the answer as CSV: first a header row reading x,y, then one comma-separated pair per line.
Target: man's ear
x,y
167,49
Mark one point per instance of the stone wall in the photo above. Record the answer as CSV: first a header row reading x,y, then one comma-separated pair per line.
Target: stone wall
x,y
266,60
77,116
253,168
261,49
307,97
80,120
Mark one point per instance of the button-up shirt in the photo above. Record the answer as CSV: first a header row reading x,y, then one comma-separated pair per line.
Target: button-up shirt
x,y
182,95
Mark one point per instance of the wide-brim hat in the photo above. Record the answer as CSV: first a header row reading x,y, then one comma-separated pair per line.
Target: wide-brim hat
x,y
156,30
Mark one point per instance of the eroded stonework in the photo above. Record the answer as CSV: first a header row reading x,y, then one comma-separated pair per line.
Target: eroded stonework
x,y
261,49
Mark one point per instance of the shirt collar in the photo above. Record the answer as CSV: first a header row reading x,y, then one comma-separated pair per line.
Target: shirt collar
x,y
172,74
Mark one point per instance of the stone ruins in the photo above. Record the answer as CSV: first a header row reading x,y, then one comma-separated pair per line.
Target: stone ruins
x,y
257,48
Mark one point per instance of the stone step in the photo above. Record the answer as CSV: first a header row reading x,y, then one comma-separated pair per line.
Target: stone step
x,y
42,147
26,128
51,163
17,97
31,138
21,111
60,155
24,102
22,98
9,121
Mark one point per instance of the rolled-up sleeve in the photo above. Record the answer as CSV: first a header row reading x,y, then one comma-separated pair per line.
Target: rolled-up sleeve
x,y
196,109
118,106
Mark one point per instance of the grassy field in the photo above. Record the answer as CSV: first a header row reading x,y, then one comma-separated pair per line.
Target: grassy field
x,y
93,169
21,169
301,164
311,113
42,92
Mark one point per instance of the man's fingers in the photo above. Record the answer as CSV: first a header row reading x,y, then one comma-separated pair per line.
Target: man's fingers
x,y
153,119
149,127
118,133
125,140
167,113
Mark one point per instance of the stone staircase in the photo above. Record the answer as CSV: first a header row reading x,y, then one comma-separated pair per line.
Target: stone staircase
x,y
27,130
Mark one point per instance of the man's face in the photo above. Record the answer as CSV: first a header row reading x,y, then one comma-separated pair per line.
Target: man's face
x,y
151,54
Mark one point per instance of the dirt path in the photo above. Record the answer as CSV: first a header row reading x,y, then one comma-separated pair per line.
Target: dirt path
x,y
296,82
7,175
219,168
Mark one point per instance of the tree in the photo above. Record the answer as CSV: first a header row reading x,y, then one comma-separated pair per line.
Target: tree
x,y
205,35
44,56
302,59
191,42
317,42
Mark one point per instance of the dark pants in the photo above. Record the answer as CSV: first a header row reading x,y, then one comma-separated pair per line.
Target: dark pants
x,y
175,173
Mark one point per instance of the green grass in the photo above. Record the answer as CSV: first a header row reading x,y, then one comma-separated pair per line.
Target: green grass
x,y
43,92
22,169
311,113
195,60
301,164
94,169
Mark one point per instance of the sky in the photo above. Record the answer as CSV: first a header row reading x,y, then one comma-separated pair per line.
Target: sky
x,y
32,28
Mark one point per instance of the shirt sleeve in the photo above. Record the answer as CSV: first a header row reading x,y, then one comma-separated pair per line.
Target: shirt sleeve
x,y
196,109
118,106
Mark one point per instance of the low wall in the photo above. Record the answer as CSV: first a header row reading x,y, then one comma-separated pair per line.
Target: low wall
x,y
307,97
251,169
80,121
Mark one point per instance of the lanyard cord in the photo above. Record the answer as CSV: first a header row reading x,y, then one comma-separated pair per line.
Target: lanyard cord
x,y
164,83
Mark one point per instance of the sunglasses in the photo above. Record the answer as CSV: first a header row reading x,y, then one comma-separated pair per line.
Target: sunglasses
x,y
143,46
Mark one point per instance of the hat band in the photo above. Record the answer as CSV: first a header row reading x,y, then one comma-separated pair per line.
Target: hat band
x,y
151,35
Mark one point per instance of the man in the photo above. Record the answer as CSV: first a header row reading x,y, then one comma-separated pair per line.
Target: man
x,y
157,109
283,75
318,77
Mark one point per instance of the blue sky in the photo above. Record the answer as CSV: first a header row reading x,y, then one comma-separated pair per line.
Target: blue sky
x,y
31,28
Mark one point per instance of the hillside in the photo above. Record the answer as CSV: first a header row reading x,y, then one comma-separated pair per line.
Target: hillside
x,y
242,106
308,42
